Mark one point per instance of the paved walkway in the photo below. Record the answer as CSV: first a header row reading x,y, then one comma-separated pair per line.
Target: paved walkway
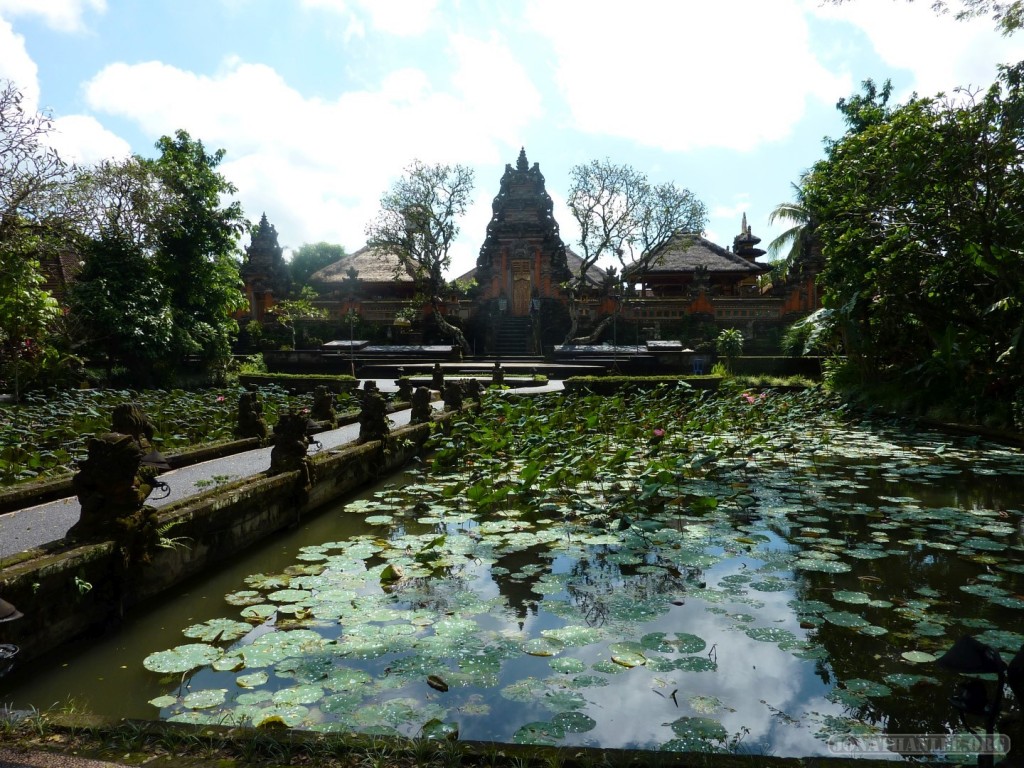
x,y
34,526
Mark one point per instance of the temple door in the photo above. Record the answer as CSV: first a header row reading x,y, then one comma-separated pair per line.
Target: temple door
x,y
520,288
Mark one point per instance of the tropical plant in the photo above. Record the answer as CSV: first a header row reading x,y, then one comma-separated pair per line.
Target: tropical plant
x,y
919,212
729,344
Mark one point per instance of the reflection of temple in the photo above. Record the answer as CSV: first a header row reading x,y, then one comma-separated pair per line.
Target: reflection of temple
x,y
519,303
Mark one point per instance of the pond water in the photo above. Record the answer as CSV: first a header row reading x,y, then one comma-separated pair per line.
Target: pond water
x,y
680,572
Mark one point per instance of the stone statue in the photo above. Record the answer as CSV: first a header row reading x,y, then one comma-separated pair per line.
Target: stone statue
x,y
497,374
129,419
112,485
290,445
404,389
474,389
437,378
373,419
420,406
250,417
323,406
453,396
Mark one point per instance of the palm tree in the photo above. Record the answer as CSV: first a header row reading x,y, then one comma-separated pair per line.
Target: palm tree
x,y
799,242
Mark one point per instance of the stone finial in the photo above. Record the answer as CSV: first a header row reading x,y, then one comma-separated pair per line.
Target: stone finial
x,y
522,164
744,229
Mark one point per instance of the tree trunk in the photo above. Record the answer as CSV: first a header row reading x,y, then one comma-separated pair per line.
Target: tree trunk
x,y
596,334
448,329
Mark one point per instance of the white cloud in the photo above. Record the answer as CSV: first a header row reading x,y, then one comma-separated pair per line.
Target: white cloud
x,y
319,166
940,52
404,18
64,15
81,139
17,66
682,76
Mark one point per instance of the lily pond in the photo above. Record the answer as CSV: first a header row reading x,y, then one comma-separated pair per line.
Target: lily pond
x,y
671,570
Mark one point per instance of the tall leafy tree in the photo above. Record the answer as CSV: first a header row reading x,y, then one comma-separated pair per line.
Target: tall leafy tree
x,y
32,178
197,247
625,218
922,233
417,222
310,257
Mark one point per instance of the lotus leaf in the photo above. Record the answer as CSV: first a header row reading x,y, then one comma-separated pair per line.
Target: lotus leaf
x,y
205,699
540,733
164,701
182,659
918,657
574,722
686,643
699,728
253,680
695,664
846,619
218,629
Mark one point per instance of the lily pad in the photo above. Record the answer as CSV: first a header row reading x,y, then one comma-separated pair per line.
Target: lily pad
x,y
182,659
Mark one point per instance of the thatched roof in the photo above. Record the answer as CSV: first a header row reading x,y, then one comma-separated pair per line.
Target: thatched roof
x,y
688,252
372,265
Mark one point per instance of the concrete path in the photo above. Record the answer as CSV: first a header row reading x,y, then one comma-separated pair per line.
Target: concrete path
x,y
35,526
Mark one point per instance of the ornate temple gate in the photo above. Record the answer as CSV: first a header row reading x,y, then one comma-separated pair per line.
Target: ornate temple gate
x,y
521,287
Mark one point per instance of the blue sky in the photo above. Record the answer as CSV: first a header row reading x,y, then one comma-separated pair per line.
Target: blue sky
x,y
321,104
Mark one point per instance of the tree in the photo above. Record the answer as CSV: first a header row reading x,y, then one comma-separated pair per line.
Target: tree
x,y
1009,17
920,221
290,312
32,177
122,304
417,223
799,241
311,257
196,249
729,344
621,215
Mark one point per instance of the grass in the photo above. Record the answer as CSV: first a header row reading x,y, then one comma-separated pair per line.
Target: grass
x,y
68,729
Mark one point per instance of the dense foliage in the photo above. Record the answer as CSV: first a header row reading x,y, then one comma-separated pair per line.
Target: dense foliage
x,y
919,217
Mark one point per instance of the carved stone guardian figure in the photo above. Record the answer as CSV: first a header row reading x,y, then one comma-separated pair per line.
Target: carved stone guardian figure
x,y
290,445
404,389
420,406
437,378
323,406
250,417
112,485
453,396
373,419
497,374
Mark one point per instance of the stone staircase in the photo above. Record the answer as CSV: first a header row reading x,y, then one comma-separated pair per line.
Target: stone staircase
x,y
513,338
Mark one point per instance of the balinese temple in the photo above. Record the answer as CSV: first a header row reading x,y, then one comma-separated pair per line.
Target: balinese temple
x,y
519,302
264,270
519,306
370,281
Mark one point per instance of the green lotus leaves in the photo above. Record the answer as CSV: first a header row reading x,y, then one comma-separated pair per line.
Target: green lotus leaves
x,y
918,657
687,643
182,659
702,729
541,602
224,630
205,699
540,733
846,619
